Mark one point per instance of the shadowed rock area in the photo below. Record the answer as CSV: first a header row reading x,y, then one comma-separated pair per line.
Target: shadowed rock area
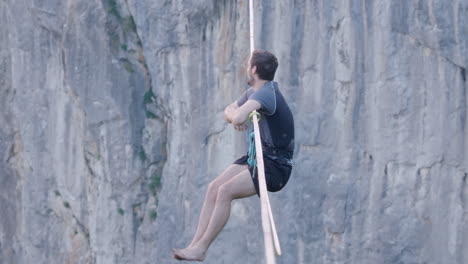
x,y
111,128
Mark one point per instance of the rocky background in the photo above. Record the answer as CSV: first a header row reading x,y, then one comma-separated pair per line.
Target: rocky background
x,y
111,129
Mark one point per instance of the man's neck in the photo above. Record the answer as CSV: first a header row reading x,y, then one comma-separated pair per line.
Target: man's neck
x,y
258,84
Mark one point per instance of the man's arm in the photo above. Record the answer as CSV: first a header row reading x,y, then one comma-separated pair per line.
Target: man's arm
x,y
228,111
239,115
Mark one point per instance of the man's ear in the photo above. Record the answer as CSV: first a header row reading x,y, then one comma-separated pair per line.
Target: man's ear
x,y
254,69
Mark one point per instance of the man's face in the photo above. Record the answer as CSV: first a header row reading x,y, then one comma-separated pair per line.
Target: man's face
x,y
250,76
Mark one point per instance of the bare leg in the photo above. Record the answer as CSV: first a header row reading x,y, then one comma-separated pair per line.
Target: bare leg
x,y
210,198
240,186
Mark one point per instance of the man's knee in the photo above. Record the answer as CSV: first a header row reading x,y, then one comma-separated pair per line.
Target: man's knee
x,y
224,193
217,182
213,187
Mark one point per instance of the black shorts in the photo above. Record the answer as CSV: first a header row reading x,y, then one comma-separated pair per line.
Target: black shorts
x,y
276,174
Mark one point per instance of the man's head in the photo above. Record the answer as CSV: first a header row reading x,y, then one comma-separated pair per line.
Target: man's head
x,y
262,66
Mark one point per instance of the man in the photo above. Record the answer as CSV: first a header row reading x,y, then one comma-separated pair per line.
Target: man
x,y
240,180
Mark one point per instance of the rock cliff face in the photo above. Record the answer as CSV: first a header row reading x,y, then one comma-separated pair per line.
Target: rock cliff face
x,y
111,129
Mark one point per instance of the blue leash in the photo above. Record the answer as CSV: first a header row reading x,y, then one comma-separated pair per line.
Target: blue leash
x,y
252,154
252,161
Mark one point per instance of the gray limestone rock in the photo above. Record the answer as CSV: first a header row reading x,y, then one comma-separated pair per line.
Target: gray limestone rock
x,y
111,128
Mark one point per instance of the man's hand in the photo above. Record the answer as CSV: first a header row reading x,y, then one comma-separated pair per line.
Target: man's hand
x,y
242,127
228,115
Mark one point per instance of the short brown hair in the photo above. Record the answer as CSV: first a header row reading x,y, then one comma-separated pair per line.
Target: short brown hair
x,y
266,64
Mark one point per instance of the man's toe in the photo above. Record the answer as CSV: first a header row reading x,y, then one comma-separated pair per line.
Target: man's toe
x,y
177,254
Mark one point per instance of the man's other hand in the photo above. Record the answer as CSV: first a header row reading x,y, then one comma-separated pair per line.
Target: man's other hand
x,y
242,127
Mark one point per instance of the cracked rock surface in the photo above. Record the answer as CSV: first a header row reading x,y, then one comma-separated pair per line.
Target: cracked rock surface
x,y
111,128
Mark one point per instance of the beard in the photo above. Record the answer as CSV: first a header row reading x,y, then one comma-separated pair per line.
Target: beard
x,y
250,80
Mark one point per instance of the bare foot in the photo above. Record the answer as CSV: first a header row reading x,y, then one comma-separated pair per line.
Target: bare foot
x,y
193,253
174,251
